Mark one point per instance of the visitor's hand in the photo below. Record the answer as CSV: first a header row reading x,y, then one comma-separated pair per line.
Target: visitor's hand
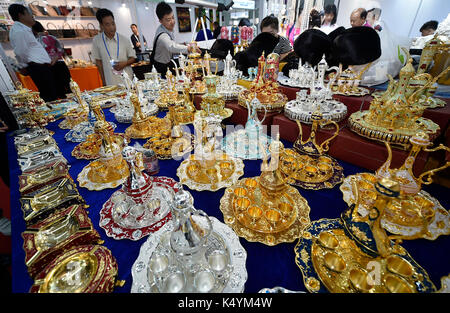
x,y
138,44
120,65
3,127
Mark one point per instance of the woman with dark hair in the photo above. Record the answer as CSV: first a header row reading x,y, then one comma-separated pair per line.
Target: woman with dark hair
x,y
329,19
244,22
56,53
314,19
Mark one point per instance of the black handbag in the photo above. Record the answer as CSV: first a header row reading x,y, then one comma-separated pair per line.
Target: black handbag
x,y
68,33
54,32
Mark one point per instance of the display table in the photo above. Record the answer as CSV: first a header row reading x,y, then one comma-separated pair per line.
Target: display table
x,y
87,78
266,266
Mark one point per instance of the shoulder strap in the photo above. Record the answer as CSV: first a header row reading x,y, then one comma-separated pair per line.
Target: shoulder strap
x,y
152,55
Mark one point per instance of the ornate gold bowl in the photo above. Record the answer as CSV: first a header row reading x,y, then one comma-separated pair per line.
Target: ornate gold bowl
x,y
83,269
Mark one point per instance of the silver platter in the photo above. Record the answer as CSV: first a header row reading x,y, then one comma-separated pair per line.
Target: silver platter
x,y
302,110
232,279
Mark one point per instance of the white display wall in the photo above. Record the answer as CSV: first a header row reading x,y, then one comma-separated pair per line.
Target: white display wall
x,y
402,17
124,16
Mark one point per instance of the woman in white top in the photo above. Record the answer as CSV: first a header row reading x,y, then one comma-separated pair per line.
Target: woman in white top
x,y
329,19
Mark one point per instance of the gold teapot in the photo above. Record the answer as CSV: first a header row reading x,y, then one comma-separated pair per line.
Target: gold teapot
x,y
265,208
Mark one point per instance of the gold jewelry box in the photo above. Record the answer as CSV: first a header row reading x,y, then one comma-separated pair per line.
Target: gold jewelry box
x,y
83,269
45,240
38,204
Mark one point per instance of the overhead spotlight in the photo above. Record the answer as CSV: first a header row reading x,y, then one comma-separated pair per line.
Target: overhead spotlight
x,y
89,2
146,7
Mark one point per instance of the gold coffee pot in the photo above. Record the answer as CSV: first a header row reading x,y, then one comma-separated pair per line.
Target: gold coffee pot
x,y
409,183
310,146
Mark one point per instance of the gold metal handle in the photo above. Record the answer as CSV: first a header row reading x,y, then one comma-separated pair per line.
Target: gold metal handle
x,y
50,196
426,178
324,145
300,131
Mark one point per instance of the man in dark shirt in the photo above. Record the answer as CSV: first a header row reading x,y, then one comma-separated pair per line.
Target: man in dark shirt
x,y
135,40
269,24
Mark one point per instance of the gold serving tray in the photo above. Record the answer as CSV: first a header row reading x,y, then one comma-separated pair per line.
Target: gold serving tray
x,y
38,143
224,171
39,203
410,216
147,127
167,147
90,148
47,239
331,261
358,124
275,104
259,218
224,114
310,171
355,92
83,269
104,173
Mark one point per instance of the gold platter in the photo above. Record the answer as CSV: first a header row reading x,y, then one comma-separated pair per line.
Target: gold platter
x,y
256,217
40,203
167,146
310,171
30,180
218,172
331,262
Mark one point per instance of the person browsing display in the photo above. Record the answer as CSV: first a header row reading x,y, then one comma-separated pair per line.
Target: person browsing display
x,y
164,45
112,52
269,24
135,40
30,54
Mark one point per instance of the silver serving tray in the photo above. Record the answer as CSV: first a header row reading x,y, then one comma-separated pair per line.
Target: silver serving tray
x,y
142,273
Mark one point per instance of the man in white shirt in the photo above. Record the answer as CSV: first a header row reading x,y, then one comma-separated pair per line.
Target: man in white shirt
x,y
164,45
112,52
32,58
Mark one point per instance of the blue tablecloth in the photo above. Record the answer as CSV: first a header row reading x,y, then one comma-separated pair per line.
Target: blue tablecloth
x,y
266,266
